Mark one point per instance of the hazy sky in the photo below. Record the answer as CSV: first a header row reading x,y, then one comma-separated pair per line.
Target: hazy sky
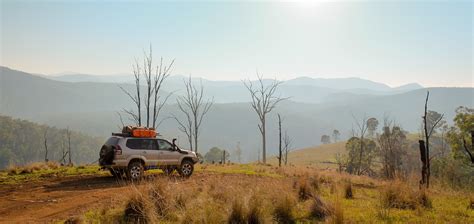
x,y
394,42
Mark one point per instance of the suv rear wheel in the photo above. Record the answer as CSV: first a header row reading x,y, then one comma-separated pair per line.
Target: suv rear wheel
x,y
135,170
186,168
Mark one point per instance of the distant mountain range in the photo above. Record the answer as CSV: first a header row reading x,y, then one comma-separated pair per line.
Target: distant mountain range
x,y
311,111
302,89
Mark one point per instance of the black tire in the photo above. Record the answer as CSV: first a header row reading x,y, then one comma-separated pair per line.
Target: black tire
x,y
186,168
135,170
168,170
118,173
106,155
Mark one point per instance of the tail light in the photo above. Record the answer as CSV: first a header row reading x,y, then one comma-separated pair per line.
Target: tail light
x,y
118,150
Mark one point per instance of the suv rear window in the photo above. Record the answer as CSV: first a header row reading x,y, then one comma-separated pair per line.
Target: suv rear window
x,y
146,144
112,141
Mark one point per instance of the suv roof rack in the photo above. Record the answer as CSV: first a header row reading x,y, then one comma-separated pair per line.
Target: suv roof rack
x,y
121,134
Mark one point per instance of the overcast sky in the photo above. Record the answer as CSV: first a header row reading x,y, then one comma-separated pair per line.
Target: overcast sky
x,y
394,42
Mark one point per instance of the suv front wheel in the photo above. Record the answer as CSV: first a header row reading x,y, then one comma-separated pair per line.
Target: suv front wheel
x,y
135,170
186,168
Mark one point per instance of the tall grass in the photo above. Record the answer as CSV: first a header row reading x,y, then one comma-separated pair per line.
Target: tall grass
x,y
399,195
31,167
320,209
283,212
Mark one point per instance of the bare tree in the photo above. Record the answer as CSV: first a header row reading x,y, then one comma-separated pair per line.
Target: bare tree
x,y
45,137
362,129
427,132
154,78
68,133
286,147
263,102
63,146
162,72
195,107
185,126
147,72
135,116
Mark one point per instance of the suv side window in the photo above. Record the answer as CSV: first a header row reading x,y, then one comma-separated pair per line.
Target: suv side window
x,y
145,144
164,145
112,141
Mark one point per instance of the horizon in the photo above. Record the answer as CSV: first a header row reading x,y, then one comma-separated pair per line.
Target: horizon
x,y
69,73
428,43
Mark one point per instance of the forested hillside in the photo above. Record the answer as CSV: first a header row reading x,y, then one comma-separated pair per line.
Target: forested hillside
x,y
23,141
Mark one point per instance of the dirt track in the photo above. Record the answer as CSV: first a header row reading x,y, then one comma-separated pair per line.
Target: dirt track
x,y
57,199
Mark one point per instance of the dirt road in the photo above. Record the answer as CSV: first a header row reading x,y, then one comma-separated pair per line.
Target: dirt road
x,y
57,199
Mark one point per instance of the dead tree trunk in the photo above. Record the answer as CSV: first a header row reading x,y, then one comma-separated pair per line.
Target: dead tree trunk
x,y
423,161
46,145
147,66
223,157
286,148
427,142
427,138
69,145
279,145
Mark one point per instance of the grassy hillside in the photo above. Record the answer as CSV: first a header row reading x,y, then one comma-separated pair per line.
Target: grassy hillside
x,y
322,156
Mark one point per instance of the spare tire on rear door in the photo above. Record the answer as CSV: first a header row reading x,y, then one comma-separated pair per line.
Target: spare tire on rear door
x,y
106,154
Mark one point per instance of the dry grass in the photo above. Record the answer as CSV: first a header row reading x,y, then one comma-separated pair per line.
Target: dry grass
x,y
304,189
273,195
320,209
471,203
283,212
255,214
399,195
237,214
338,213
31,167
322,156
348,193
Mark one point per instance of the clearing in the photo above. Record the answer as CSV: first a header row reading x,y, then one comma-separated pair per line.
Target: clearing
x,y
214,193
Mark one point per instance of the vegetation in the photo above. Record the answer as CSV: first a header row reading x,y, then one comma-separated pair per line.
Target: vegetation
x,y
38,171
194,107
22,142
206,199
216,155
456,169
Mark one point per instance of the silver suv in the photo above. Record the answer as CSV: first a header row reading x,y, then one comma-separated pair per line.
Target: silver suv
x,y
132,156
